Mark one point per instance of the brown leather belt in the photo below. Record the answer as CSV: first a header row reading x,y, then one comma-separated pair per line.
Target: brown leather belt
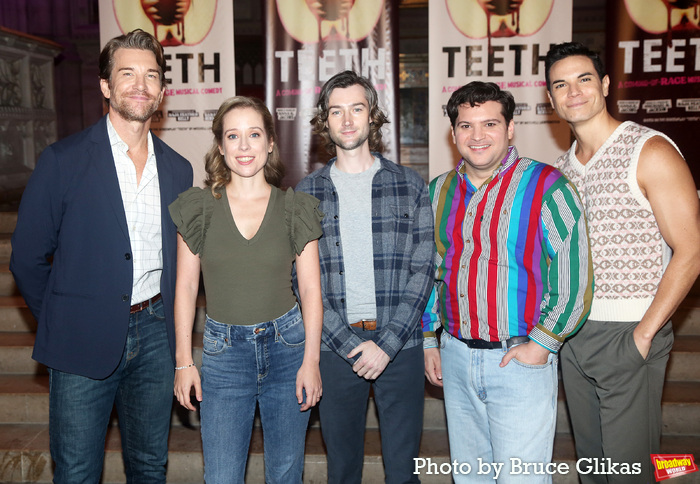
x,y
143,305
366,324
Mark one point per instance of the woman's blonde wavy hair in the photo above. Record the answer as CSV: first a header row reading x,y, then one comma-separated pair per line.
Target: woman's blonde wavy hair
x,y
218,173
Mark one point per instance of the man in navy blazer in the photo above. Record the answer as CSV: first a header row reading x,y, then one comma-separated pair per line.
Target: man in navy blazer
x,y
93,254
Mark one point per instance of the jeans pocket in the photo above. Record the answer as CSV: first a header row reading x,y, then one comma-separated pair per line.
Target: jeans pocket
x,y
444,336
213,342
157,309
534,367
292,334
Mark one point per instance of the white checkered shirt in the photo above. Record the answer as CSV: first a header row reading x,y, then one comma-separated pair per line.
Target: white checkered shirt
x,y
142,208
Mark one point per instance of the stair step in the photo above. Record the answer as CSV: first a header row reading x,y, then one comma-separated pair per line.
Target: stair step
x,y
684,363
15,316
16,354
5,247
695,290
24,399
8,222
7,282
686,320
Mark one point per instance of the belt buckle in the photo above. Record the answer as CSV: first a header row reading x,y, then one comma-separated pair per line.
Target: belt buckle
x,y
515,341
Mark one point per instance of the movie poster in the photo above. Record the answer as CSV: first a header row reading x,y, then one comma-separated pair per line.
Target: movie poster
x,y
653,60
310,41
197,38
503,42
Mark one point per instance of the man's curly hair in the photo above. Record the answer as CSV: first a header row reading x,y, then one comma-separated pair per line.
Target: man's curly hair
x,y
376,116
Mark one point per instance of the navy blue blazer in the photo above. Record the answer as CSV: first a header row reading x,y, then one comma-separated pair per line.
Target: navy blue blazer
x,y
71,255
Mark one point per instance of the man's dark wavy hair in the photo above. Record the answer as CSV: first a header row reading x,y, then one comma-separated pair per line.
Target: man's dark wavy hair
x,y
376,116
567,49
477,93
136,39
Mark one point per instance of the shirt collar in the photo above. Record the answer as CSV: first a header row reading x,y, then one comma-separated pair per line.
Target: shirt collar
x,y
384,164
506,163
117,143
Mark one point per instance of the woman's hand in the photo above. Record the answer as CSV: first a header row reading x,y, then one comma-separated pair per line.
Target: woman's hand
x,y
309,382
185,379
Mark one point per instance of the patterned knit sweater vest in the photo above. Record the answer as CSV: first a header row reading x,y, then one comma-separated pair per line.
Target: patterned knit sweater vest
x,y
629,254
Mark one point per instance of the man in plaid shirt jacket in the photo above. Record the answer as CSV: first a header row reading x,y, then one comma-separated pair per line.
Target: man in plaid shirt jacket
x,y
376,272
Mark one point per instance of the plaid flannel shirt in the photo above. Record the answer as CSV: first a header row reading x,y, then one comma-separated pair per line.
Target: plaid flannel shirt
x,y
402,228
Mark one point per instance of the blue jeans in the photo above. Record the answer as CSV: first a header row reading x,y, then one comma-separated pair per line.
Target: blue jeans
x,y
497,414
242,366
399,397
141,388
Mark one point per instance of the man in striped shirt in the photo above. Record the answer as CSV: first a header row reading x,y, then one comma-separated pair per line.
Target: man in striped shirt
x,y
513,279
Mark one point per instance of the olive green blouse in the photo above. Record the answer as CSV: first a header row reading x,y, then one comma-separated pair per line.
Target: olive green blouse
x,y
247,281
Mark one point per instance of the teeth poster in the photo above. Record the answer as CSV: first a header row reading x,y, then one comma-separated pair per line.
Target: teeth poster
x,y
309,41
500,41
197,38
653,60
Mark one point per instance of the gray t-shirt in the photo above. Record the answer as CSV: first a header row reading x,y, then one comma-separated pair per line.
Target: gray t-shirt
x,y
355,202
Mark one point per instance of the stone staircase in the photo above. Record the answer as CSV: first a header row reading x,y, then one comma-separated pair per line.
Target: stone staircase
x,y
24,440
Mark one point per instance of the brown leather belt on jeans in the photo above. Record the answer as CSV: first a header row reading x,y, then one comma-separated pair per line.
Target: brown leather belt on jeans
x,y
143,305
366,324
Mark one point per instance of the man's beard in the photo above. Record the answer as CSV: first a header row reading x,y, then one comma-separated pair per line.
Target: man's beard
x,y
350,144
130,112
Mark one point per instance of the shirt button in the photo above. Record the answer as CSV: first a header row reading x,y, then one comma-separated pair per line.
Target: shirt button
x,y
125,297
461,295
335,217
337,244
127,256
467,241
340,272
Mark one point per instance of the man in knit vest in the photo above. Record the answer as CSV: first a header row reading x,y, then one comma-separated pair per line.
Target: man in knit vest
x,y
644,225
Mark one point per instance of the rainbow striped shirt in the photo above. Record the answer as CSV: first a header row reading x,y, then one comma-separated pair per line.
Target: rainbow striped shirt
x,y
512,257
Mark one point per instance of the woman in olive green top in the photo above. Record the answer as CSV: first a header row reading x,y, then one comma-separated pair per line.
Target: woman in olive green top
x,y
244,233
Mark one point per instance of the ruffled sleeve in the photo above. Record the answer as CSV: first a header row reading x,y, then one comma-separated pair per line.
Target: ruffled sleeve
x,y
191,213
303,218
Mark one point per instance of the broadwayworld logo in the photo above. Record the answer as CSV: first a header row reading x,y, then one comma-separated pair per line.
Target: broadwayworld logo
x,y
667,466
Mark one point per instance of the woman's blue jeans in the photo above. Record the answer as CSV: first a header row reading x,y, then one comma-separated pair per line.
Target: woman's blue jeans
x,y
243,366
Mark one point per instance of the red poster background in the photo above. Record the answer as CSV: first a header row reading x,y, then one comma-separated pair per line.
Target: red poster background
x,y
654,71
297,68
